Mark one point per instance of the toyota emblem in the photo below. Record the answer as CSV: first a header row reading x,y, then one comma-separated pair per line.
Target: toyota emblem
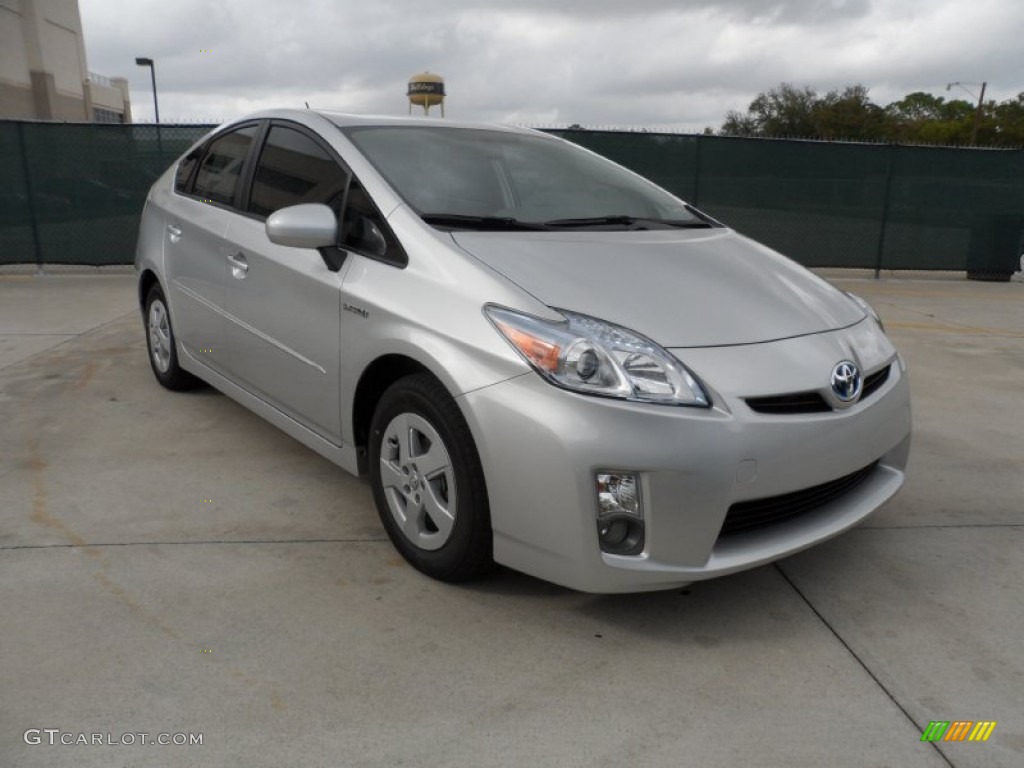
x,y
846,381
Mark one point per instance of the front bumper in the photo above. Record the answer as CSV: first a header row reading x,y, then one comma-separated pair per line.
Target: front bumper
x,y
540,447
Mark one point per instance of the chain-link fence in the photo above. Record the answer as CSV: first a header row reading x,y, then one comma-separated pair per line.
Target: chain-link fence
x,y
72,193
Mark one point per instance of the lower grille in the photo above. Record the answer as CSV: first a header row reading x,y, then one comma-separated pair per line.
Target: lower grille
x,y
748,515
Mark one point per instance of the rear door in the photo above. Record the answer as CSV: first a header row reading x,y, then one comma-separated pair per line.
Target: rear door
x,y
207,186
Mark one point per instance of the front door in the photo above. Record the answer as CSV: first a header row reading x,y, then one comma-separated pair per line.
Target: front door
x,y
284,304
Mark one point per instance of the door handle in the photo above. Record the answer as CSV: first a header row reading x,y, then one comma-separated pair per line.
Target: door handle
x,y
173,233
239,266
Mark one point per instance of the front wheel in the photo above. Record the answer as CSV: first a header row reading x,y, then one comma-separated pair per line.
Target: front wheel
x,y
427,481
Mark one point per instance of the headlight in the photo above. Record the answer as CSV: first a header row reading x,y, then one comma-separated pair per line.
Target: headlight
x,y
867,308
598,358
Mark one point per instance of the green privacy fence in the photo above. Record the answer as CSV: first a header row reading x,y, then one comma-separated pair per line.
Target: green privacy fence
x,y
72,193
831,204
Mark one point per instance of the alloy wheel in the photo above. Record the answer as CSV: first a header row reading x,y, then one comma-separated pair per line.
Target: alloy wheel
x,y
418,481
159,336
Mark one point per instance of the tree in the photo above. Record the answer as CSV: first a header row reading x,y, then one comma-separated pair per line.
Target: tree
x,y
784,111
738,124
849,114
1007,123
790,111
915,107
921,118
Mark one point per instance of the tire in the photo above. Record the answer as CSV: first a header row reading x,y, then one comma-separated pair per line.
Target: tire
x,y
161,345
427,481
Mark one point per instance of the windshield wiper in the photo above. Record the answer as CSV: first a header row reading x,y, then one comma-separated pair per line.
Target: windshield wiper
x,y
638,222
495,223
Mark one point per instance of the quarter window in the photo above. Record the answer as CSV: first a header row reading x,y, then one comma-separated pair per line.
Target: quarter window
x,y
363,228
185,168
217,179
294,169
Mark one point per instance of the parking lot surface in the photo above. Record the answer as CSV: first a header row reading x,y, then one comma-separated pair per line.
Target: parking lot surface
x,y
171,564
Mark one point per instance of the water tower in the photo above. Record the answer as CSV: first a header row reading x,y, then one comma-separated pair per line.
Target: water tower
x,y
425,90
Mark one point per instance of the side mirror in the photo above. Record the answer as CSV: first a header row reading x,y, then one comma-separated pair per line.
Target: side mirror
x,y
310,225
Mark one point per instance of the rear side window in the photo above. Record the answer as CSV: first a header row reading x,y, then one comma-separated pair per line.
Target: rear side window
x,y
219,172
294,169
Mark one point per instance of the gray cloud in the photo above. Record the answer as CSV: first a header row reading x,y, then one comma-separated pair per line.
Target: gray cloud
x,y
602,62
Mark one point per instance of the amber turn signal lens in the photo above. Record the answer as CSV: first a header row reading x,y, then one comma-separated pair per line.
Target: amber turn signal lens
x,y
544,354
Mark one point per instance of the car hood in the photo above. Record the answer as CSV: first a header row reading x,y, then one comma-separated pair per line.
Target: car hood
x,y
681,288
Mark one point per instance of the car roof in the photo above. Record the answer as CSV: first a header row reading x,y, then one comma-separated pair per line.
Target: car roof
x,y
345,120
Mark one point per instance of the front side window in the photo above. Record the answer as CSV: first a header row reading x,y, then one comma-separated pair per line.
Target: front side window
x,y
294,169
221,167
510,175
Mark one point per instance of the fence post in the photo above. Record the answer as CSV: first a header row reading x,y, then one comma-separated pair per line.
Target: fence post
x,y
32,220
696,173
160,149
885,209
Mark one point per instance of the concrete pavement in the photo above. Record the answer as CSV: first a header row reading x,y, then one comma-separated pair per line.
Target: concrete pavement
x,y
169,563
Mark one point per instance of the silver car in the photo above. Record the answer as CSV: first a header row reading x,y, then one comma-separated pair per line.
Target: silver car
x,y
538,357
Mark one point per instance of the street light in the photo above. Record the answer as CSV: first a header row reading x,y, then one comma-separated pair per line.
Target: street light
x,y
977,112
144,62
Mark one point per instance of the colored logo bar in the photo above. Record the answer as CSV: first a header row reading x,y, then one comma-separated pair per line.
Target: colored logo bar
x,y
958,730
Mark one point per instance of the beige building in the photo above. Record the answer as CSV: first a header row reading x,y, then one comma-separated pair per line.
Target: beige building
x,y
43,72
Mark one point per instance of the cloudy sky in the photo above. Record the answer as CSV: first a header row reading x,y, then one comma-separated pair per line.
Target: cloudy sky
x,y
668,64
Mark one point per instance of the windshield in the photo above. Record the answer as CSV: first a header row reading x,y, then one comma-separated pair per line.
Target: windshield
x,y
473,178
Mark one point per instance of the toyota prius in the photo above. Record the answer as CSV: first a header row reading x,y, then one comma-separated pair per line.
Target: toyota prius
x,y
535,356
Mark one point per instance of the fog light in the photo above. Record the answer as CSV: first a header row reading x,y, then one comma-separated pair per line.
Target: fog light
x,y
620,515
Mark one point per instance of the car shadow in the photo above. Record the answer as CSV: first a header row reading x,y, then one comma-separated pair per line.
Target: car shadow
x,y
739,610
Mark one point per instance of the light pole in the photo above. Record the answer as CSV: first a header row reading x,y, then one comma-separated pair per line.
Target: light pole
x,y
977,112
142,61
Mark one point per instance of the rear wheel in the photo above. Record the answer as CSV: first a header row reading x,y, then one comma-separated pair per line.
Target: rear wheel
x,y
427,481
160,342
